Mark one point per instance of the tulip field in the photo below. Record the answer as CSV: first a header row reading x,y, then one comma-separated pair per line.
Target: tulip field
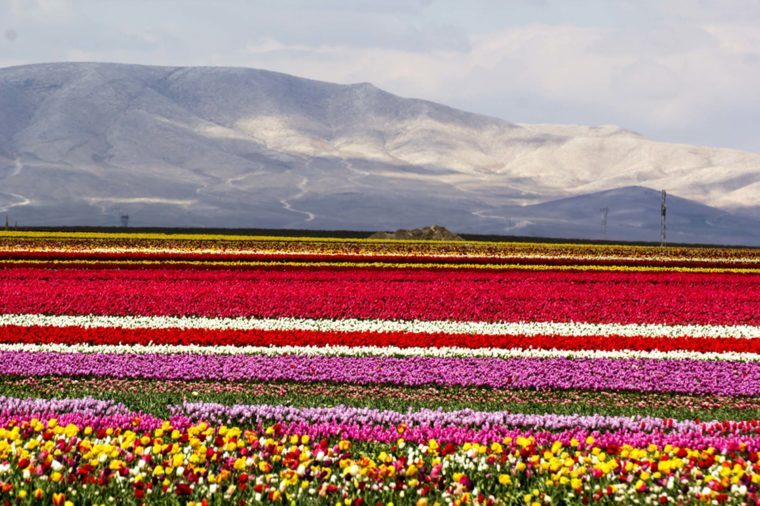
x,y
142,368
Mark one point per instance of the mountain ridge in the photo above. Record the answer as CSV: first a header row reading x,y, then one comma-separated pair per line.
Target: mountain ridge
x,y
235,146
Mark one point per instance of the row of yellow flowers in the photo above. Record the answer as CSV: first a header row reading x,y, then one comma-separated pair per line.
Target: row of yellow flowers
x,y
366,245
47,461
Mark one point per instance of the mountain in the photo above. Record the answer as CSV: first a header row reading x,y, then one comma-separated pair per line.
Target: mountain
x,y
83,143
633,214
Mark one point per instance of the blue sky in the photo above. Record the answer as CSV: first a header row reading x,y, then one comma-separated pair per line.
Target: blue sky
x,y
673,70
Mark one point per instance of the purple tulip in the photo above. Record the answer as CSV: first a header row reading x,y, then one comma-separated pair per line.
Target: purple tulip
x,y
643,375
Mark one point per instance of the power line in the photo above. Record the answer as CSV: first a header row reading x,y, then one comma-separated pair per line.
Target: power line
x,y
663,222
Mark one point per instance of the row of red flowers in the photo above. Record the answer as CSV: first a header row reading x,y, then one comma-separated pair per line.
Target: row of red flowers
x,y
206,337
614,297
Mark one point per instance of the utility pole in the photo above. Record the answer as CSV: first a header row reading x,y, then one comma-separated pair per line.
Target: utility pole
x,y
7,225
604,210
663,223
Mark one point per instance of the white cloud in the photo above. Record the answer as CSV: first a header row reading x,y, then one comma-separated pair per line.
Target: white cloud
x,y
676,84
45,11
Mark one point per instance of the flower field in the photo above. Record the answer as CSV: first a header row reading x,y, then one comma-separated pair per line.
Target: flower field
x,y
178,369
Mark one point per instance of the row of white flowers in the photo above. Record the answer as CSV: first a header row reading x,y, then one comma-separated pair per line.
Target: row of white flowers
x,y
376,351
356,325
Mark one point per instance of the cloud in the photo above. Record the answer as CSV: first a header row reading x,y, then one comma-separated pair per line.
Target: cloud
x,y
641,79
388,25
41,11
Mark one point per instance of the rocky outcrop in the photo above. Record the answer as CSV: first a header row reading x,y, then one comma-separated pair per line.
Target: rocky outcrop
x,y
431,233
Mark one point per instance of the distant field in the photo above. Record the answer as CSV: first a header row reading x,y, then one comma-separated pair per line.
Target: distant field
x,y
217,367
335,234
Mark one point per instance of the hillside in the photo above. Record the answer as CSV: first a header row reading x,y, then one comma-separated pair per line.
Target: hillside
x,y
83,143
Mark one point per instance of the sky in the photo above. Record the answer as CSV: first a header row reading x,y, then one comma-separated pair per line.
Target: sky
x,y
683,71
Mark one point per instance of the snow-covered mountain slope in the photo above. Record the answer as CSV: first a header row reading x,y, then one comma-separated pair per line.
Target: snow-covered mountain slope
x,y
81,143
